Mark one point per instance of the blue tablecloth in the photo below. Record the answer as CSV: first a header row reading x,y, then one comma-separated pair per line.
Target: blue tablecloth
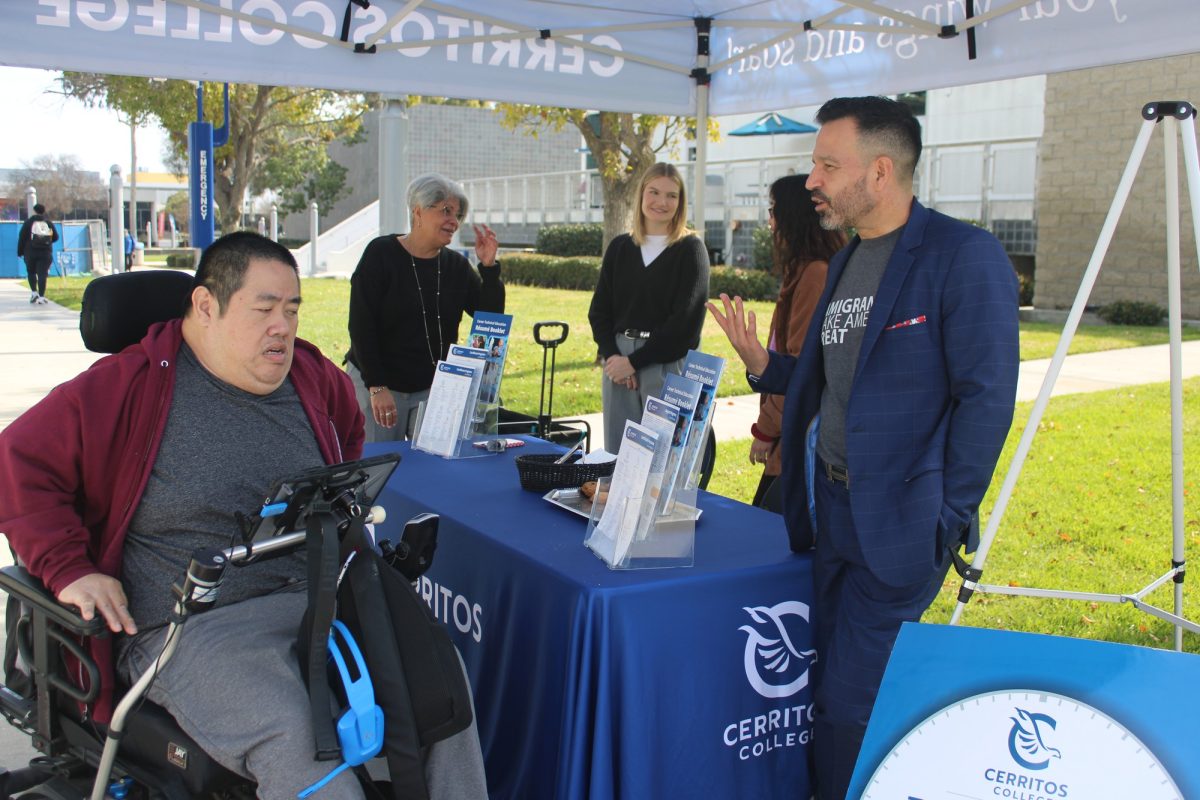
x,y
595,683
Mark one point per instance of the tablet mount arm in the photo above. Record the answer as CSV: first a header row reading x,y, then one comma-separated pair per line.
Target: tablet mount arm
x,y
333,505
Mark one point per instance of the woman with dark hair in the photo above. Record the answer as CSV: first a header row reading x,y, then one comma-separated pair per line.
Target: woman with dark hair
x,y
407,298
802,252
648,307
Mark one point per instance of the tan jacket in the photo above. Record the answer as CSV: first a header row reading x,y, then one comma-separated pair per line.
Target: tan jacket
x,y
798,299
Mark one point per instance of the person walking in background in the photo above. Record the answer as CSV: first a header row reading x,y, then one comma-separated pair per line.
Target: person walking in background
x,y
802,249
648,307
407,297
129,246
35,243
913,371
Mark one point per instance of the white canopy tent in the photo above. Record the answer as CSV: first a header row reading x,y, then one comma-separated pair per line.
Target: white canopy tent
x,y
678,57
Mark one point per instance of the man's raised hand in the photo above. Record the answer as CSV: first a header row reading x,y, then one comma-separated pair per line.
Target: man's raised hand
x,y
739,326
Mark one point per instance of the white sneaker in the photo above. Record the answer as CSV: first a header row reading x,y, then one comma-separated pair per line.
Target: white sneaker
x,y
33,297
42,301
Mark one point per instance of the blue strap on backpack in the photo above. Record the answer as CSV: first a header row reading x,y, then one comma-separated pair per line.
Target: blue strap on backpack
x,y
360,727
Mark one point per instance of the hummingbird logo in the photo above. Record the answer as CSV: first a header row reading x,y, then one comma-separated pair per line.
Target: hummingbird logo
x,y
775,666
1026,740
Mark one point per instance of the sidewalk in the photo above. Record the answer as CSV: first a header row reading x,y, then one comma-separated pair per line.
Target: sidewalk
x,y
40,348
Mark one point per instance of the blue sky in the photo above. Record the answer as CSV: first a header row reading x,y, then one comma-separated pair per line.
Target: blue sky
x,y
41,123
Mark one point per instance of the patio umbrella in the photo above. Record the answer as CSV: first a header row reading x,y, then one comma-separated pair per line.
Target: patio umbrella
x,y
770,125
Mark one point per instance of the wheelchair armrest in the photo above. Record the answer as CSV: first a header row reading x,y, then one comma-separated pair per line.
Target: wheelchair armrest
x,y
17,582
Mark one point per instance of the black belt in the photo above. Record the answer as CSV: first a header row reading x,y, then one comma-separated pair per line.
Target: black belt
x,y
634,333
836,474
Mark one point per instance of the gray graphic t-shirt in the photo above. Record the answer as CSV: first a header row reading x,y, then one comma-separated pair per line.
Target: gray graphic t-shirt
x,y
842,332
221,450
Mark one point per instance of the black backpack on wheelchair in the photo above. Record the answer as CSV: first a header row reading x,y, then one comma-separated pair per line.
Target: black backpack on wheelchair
x,y
38,697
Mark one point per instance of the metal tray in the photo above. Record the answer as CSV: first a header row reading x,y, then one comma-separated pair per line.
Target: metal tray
x,y
574,501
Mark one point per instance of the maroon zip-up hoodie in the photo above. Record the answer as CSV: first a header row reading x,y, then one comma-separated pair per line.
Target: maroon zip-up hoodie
x,y
73,468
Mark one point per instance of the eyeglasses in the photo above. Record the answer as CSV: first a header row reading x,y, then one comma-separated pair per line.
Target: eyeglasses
x,y
448,212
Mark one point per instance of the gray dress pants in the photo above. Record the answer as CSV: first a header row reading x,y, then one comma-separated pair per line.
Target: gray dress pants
x,y
620,403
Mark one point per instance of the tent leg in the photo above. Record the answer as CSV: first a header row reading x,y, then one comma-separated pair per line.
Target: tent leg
x,y
1173,113
701,74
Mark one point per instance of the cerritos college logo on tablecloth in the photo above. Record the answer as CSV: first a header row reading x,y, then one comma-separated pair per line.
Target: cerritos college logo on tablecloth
x,y
776,663
1021,745
775,666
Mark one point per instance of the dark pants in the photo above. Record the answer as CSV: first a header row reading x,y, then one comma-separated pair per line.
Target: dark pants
x,y
37,267
760,494
857,620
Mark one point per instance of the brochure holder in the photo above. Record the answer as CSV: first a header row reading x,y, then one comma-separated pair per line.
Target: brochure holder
x,y
486,421
462,446
636,538
706,370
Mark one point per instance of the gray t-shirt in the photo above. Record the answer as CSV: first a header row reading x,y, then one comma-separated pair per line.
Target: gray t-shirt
x,y
221,451
841,338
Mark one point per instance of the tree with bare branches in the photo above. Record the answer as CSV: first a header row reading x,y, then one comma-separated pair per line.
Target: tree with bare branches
x,y
63,186
623,146
277,135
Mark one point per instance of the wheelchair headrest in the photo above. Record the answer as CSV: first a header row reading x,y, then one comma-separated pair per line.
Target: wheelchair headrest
x,y
118,309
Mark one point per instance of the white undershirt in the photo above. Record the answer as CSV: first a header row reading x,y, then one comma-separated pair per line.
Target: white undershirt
x,y
652,247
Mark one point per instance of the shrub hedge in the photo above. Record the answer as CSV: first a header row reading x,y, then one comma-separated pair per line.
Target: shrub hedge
x,y
551,272
184,260
1132,312
1025,289
572,239
764,248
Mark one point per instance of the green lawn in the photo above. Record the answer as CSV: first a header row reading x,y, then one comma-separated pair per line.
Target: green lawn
x,y
1091,512
1040,339
577,380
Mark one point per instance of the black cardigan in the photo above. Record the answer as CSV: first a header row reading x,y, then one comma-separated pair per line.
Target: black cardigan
x,y
389,343
665,298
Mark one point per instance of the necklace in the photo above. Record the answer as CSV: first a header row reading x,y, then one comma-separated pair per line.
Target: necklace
x,y
437,303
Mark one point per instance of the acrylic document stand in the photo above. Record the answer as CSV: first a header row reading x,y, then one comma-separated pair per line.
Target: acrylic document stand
x,y
450,422
631,536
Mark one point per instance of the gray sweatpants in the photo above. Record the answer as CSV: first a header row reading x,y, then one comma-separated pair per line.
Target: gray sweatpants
x,y
234,686
621,404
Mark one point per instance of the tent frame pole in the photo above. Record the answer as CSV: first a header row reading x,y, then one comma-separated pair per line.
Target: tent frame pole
x,y
1179,116
702,76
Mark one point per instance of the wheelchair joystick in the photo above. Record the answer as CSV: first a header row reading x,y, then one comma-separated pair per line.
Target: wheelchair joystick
x,y
203,580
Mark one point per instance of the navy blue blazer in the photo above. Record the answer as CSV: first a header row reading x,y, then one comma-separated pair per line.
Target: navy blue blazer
x,y
931,401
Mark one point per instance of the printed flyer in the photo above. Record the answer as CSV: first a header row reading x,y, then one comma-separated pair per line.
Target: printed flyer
x,y
490,332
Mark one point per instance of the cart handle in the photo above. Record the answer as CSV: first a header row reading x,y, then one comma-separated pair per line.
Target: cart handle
x,y
550,342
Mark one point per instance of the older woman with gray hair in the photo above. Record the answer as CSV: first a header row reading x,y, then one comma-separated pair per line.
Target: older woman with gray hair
x,y
407,298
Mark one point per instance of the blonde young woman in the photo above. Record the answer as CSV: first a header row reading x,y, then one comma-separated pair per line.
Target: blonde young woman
x,y
648,307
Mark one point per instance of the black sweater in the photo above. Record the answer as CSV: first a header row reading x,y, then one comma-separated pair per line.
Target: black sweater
x,y
389,341
665,298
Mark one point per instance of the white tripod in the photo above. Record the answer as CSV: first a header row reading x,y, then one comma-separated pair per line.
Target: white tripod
x,y
1177,116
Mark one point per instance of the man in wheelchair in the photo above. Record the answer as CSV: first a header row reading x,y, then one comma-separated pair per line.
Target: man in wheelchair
x,y
110,483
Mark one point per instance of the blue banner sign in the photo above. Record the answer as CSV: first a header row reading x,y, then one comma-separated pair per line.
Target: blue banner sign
x,y
200,150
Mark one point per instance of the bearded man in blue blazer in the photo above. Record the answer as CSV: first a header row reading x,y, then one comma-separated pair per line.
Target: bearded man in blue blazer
x,y
907,381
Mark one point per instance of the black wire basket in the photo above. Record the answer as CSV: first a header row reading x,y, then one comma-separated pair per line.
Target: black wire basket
x,y
539,473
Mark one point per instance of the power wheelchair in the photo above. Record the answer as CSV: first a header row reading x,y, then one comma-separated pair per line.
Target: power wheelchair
x,y
155,758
